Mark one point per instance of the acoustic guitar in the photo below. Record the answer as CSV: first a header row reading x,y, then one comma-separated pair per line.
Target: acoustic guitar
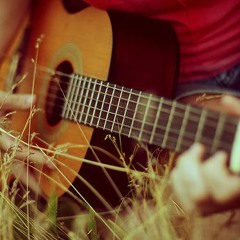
x,y
77,53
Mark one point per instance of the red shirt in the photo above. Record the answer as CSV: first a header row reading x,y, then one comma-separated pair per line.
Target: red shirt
x,y
208,31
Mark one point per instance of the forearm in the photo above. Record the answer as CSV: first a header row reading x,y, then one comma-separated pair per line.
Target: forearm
x,y
12,14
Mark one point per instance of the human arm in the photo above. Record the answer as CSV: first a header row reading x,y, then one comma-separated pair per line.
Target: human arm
x,y
12,14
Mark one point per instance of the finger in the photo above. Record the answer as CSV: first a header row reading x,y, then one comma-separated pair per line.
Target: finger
x,y
16,101
231,105
194,153
223,185
180,193
23,152
187,180
25,176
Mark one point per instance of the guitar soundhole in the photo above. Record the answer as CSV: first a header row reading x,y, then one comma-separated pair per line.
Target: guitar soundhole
x,y
57,92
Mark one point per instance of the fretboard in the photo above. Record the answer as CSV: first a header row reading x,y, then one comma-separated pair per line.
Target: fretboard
x,y
146,117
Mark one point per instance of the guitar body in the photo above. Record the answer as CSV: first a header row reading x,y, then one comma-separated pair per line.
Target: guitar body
x,y
124,49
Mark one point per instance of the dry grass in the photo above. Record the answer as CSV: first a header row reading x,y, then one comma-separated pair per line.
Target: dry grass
x,y
150,212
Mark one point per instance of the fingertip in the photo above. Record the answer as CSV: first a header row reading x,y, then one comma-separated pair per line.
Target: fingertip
x,y
29,100
197,148
50,165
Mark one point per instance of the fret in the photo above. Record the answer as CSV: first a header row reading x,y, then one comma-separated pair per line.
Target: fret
x,y
79,102
134,115
144,117
162,122
102,106
165,138
156,121
128,112
173,121
96,103
69,96
117,108
125,108
228,134
183,128
90,100
84,98
191,128
76,88
218,133
71,110
109,106
140,110
201,125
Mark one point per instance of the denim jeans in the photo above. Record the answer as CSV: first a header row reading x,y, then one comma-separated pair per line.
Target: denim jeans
x,y
226,83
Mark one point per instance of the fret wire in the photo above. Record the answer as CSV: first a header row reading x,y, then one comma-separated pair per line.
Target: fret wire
x,y
144,117
102,105
84,100
200,125
80,97
117,107
70,99
78,84
183,127
126,108
218,132
168,125
156,121
134,115
71,109
109,107
90,103
65,106
94,109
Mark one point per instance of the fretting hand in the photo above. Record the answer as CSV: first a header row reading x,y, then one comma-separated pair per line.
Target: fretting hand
x,y
206,186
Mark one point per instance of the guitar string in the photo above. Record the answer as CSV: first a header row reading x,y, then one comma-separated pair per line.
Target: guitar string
x,y
144,96
194,119
191,136
212,117
187,141
117,113
109,87
167,111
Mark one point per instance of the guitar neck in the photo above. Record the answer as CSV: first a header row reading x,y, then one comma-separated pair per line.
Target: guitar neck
x,y
146,117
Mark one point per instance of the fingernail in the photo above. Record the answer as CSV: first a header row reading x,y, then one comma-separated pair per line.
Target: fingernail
x,y
30,100
50,165
196,147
